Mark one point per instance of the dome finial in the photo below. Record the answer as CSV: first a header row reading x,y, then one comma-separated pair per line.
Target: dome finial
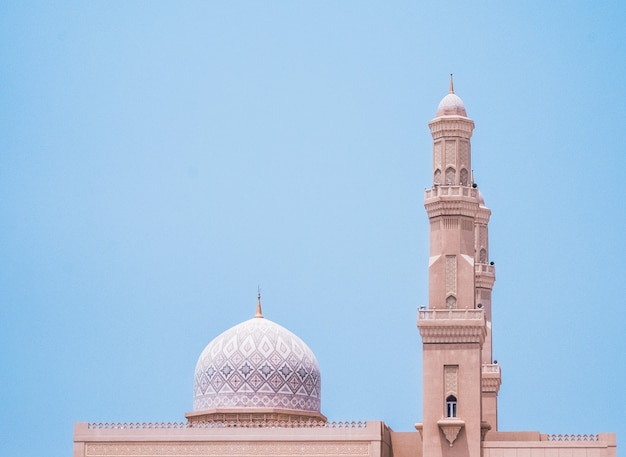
x,y
451,84
259,313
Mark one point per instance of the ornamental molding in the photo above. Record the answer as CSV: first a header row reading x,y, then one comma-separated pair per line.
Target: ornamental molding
x,y
485,281
222,449
226,423
456,206
482,218
451,126
491,385
451,334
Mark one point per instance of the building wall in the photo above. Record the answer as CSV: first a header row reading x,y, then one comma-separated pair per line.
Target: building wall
x,y
370,439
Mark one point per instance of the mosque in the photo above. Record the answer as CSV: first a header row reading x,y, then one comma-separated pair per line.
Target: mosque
x,y
257,385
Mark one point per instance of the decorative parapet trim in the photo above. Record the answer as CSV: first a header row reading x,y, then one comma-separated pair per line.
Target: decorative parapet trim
x,y
224,424
567,437
261,449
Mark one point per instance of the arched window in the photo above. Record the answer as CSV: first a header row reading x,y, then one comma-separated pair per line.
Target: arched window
x,y
451,406
483,255
451,302
437,177
450,176
464,177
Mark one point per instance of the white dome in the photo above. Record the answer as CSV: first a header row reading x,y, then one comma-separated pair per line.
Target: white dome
x,y
257,364
451,105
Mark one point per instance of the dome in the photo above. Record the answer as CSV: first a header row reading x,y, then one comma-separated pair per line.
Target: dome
x,y
451,105
257,364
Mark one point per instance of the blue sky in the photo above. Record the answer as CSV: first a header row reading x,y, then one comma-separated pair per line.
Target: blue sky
x,y
160,160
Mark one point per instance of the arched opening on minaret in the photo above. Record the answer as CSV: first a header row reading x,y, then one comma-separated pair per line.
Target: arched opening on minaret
x,y
464,177
437,176
451,302
451,406
450,176
483,255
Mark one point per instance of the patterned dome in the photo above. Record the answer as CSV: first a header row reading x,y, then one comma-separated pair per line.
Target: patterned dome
x,y
257,364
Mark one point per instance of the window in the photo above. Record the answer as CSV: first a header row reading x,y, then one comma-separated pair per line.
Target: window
x,y
450,176
464,177
451,406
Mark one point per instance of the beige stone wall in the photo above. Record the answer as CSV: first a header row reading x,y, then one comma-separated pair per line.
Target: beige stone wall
x,y
372,439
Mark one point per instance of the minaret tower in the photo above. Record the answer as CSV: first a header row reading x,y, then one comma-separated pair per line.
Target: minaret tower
x,y
456,327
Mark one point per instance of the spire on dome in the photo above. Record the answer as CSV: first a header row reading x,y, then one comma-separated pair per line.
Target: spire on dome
x,y
259,313
451,84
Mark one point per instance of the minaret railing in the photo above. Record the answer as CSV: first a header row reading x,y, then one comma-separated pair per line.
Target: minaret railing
x,y
451,314
452,191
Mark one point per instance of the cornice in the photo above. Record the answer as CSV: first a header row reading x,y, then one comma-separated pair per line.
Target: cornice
x,y
454,206
451,126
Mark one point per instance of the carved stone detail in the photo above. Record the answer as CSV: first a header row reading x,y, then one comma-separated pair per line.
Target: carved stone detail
x,y
451,378
462,127
450,274
450,152
437,155
451,428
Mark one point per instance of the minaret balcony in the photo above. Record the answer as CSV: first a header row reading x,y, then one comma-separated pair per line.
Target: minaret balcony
x,y
485,269
451,201
450,191
452,314
485,275
491,377
452,325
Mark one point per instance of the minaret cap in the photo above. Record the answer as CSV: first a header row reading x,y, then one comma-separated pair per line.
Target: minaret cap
x,y
451,104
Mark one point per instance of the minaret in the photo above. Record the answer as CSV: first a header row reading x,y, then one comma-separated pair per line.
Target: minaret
x,y
485,277
456,327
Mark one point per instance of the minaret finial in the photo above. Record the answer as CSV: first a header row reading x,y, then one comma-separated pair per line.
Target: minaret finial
x,y
259,313
451,84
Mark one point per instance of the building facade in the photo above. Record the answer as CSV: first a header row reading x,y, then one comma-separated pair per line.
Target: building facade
x,y
257,386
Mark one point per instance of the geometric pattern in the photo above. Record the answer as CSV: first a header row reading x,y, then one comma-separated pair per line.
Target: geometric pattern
x,y
482,238
464,153
450,152
257,364
437,155
450,274
451,378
